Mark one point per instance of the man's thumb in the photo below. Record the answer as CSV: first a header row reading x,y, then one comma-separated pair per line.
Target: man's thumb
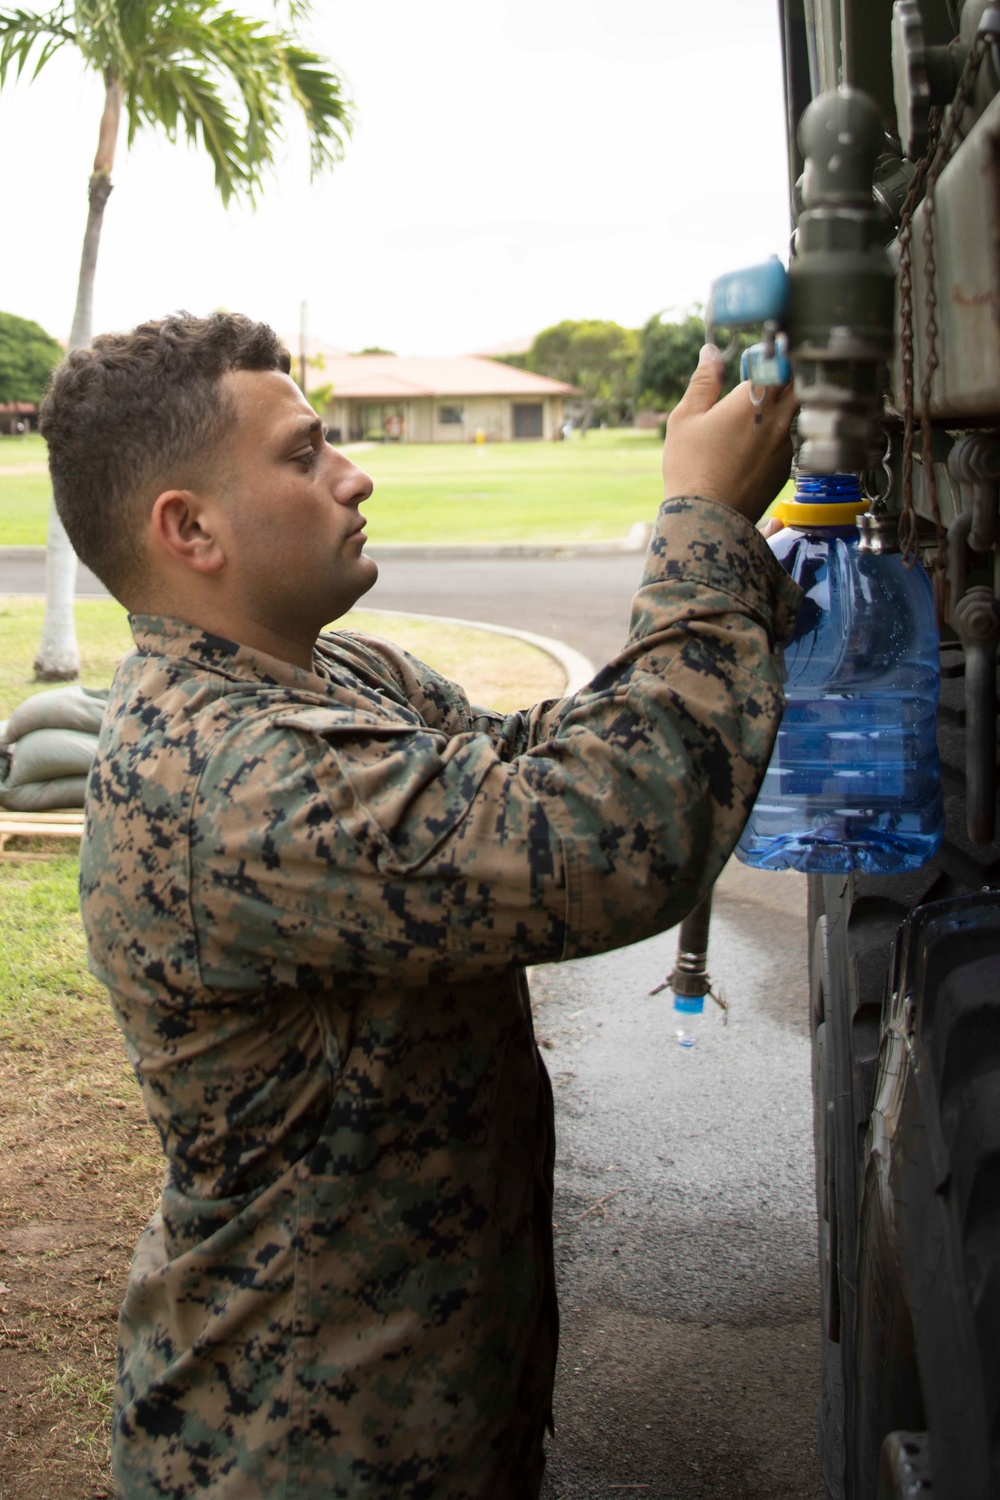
x,y
706,382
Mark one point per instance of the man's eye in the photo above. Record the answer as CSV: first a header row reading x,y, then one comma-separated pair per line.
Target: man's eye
x,y
307,459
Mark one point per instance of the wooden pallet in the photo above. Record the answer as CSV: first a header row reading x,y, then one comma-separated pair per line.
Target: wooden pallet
x,y
51,825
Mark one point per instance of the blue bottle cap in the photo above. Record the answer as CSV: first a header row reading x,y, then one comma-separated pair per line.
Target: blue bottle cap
x,y
689,1005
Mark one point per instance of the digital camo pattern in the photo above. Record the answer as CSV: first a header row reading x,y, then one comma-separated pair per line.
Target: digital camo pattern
x,y
311,896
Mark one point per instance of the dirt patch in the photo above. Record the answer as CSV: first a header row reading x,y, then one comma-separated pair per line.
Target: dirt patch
x,y
80,1177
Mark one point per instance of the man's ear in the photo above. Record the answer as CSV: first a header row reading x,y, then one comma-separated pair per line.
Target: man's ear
x,y
182,526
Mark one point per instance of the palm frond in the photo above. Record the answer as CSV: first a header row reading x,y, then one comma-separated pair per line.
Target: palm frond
x,y
246,62
318,92
98,25
298,10
224,79
23,32
183,97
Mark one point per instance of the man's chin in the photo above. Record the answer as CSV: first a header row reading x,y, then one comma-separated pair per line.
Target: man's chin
x,y
369,568
363,577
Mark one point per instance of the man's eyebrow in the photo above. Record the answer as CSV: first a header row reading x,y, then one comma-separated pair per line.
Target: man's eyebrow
x,y
303,430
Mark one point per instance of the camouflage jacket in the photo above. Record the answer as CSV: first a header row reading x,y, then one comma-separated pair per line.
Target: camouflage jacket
x,y
310,895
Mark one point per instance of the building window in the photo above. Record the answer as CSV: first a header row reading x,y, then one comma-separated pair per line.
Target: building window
x,y
451,416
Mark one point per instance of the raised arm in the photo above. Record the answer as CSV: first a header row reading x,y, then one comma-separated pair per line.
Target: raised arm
x,y
381,850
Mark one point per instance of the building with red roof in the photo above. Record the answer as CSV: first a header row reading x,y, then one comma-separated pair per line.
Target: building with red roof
x,y
382,396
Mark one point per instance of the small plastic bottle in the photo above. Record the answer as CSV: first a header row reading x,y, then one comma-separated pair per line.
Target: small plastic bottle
x,y
689,1019
853,783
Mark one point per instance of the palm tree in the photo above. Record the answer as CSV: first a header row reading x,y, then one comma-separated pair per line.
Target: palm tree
x,y
188,65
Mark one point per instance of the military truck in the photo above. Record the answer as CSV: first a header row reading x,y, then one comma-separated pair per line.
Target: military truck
x,y
905,971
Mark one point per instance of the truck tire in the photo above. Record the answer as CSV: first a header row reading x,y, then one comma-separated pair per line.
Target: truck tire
x,y
853,921
928,1265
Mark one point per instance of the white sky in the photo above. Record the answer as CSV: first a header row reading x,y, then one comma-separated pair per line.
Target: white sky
x,y
513,164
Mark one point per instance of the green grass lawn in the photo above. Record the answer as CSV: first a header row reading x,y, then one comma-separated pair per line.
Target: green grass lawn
x,y
590,488
586,489
17,451
24,509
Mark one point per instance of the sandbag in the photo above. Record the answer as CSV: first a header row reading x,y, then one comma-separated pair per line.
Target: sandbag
x,y
44,796
71,707
49,755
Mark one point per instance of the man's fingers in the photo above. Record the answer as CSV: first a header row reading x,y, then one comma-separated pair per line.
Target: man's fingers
x,y
705,384
787,403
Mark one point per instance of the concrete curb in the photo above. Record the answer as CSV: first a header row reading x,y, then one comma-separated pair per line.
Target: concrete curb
x,y
635,542
22,554
579,669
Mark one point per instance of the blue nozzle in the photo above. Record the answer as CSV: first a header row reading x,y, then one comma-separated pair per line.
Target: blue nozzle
x,y
745,299
764,369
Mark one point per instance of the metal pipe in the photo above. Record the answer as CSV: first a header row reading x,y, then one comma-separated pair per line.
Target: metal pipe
x,y
846,41
958,557
690,973
974,464
976,618
981,738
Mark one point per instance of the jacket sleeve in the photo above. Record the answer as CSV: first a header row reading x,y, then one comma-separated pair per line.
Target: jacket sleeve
x,y
324,846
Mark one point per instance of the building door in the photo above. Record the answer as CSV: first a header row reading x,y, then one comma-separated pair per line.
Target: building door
x,y
381,420
528,419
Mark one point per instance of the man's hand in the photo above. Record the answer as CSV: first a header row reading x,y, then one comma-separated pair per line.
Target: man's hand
x,y
717,449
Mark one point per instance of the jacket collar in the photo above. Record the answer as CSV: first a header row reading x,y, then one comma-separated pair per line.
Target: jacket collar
x,y
159,635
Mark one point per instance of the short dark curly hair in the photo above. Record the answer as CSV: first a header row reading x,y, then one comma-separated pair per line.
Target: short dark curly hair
x,y
137,413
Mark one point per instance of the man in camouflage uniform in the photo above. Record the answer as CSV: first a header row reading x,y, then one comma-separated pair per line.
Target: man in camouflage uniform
x,y
311,876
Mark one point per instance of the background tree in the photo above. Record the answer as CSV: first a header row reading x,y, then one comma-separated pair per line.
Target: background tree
x,y
319,397
28,355
668,355
190,66
519,361
601,358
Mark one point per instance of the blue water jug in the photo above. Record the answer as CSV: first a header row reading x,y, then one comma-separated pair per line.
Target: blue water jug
x,y
853,783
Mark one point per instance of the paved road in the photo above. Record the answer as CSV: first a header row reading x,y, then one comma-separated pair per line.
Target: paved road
x,y
684,1210
583,601
689,1356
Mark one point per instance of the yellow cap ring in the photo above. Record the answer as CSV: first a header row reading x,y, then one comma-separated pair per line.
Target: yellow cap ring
x,y
837,513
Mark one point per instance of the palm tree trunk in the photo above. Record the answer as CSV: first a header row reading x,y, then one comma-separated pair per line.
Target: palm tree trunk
x,y
99,191
58,658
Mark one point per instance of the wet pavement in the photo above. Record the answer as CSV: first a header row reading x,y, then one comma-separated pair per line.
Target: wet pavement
x,y
685,1236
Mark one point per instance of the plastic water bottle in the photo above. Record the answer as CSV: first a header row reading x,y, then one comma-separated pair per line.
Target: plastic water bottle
x,y
689,1019
853,783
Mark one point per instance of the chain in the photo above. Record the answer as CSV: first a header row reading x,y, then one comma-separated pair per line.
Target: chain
x,y
938,153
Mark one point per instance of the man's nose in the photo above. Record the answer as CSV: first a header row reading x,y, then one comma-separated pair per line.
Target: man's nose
x,y
352,486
